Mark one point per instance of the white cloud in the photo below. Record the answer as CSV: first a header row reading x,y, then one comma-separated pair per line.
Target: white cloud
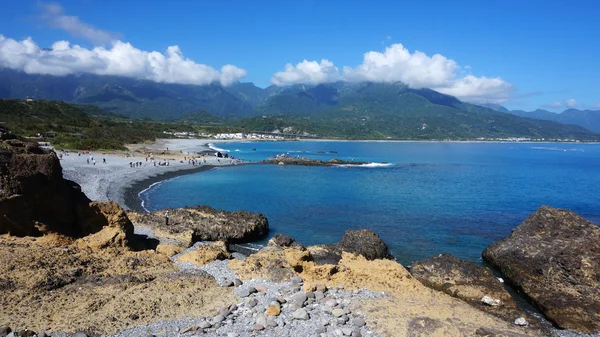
x,y
53,14
571,103
478,89
398,64
596,106
120,59
311,72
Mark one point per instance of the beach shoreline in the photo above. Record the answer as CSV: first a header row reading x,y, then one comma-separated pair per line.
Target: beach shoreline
x,y
113,175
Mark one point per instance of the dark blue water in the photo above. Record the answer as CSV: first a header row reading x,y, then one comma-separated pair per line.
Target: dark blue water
x,y
435,198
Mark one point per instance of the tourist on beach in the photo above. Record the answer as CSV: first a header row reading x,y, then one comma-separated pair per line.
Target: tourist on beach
x,y
88,160
166,218
104,160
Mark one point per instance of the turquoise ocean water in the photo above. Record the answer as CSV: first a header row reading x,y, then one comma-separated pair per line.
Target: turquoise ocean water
x,y
431,198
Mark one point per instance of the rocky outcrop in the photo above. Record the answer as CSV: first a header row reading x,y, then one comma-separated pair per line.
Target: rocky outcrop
x,y
554,258
362,242
206,253
288,160
36,200
469,282
204,223
285,241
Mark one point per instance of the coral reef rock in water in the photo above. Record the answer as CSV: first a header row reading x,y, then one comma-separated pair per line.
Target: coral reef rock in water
x,y
204,223
554,257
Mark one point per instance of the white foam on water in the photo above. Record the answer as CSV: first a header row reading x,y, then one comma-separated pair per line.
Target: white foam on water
x,y
213,147
368,165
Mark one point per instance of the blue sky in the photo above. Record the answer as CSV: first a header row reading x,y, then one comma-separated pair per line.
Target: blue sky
x,y
523,54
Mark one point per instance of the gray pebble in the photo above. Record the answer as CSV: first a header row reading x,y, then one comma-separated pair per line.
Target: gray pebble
x,y
359,322
347,331
237,282
227,284
258,327
79,334
300,314
331,303
337,312
218,318
204,325
299,298
319,295
261,320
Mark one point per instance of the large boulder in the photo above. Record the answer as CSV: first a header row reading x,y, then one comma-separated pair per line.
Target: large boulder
x,y
362,242
204,223
554,258
469,282
35,199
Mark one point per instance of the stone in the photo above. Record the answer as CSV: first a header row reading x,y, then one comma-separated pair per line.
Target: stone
x,y
79,334
251,302
284,241
204,325
554,258
273,310
521,321
490,301
356,334
227,283
347,331
271,322
258,327
362,242
331,303
261,320
299,298
252,290
237,282
218,319
189,329
300,314
337,312
243,292
209,224
467,281
359,322
296,280
319,295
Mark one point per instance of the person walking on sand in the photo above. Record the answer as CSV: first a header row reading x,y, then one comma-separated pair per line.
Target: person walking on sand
x,y
166,218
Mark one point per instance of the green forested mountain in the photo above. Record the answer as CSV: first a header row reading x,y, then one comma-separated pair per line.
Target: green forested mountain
x,y
80,127
589,119
349,110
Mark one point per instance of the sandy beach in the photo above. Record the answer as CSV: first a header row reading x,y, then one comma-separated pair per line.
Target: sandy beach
x,y
117,180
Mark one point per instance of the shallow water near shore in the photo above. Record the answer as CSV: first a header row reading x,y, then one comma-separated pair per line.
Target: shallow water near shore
x,y
431,197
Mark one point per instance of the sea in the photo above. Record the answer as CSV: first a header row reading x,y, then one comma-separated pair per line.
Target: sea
x,y
422,198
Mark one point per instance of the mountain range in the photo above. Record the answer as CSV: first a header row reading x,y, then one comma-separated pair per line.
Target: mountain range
x,y
363,110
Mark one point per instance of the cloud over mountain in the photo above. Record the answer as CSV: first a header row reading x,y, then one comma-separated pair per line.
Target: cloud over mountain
x,y
120,59
398,64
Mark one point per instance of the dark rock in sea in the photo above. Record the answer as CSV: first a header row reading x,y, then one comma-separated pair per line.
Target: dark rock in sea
x,y
360,242
554,258
204,223
467,281
288,160
35,199
284,241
